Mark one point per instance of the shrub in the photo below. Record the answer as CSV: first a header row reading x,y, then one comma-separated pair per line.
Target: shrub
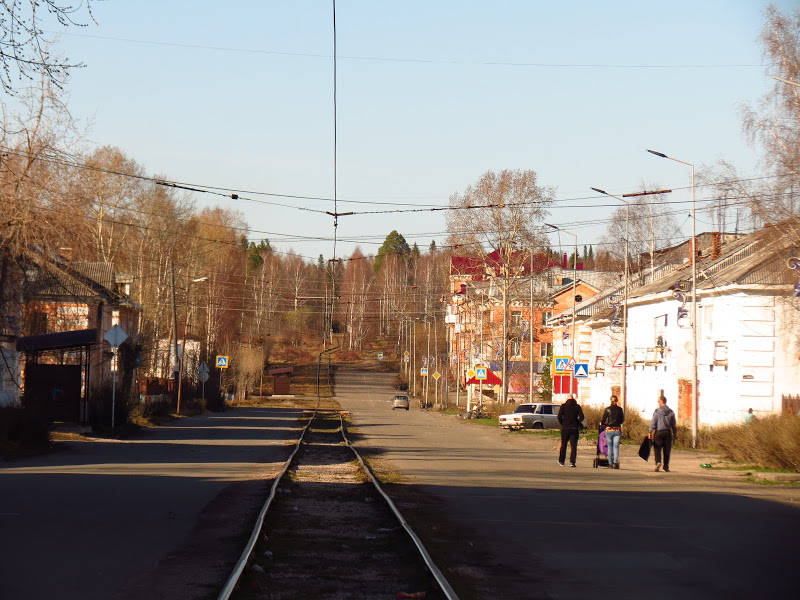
x,y
772,442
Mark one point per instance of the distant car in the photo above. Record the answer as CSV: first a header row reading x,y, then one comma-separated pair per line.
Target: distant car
x,y
400,402
534,415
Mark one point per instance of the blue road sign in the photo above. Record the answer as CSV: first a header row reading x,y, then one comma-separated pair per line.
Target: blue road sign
x,y
222,362
561,364
581,370
480,373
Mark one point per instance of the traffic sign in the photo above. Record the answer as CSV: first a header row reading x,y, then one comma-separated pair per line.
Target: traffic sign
x,y
561,365
380,355
115,336
222,362
203,368
618,362
471,373
480,373
202,376
581,370
405,353
437,375
423,371
571,365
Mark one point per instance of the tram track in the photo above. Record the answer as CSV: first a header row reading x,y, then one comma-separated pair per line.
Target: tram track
x,y
328,530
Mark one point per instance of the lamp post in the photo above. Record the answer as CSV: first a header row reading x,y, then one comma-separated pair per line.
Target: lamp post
x,y
625,302
574,284
694,299
183,345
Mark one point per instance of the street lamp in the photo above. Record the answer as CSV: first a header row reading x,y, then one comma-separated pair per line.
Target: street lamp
x,y
625,301
625,291
183,345
574,284
694,300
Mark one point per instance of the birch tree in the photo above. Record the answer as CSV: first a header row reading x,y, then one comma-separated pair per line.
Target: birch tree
x,y
502,213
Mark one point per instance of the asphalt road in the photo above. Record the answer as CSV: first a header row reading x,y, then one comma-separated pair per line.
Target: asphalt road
x,y
162,516
585,532
97,520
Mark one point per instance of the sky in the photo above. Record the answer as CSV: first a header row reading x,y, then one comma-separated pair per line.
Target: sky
x,y
429,96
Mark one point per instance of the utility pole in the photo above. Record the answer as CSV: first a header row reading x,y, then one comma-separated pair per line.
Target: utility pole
x,y
174,315
530,333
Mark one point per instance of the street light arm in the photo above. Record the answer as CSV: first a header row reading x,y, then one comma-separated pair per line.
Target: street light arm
x,y
662,155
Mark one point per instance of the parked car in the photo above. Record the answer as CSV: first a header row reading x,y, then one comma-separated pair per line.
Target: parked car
x,y
534,415
400,402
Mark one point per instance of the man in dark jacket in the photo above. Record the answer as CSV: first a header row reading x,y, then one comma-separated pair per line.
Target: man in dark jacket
x,y
570,415
613,418
662,430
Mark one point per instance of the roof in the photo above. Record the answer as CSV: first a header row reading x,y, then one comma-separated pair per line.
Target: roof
x,y
80,280
481,266
759,258
57,341
280,371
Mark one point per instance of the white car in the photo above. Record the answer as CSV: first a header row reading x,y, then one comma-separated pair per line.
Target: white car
x,y
400,401
534,415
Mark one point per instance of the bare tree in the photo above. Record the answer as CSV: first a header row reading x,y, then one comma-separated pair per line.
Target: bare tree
x,y
647,222
773,125
501,214
357,299
24,49
110,188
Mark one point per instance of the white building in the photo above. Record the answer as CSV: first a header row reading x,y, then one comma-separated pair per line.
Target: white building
x,y
748,333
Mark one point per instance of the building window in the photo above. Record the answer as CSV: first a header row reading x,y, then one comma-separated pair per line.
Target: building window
x,y
660,331
600,363
516,348
545,348
721,353
546,314
516,319
38,322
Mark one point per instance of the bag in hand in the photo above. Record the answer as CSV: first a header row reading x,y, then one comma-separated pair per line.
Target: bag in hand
x,y
644,449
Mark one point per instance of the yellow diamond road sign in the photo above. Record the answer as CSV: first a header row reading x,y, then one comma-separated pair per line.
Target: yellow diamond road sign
x,y
471,373
436,375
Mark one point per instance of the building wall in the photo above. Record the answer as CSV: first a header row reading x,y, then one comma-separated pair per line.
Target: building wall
x,y
748,356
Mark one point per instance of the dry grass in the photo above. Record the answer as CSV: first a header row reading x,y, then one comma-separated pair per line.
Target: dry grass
x,y
771,442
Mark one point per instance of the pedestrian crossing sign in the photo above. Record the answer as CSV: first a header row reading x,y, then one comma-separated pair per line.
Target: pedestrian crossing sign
x,y
222,362
423,372
561,365
480,373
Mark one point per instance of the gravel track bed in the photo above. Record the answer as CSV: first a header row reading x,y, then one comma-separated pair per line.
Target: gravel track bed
x,y
329,534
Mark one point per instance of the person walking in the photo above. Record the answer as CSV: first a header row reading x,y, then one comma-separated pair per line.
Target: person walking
x,y
570,416
613,418
662,430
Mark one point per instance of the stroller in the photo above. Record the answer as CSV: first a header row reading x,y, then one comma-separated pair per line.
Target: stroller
x,y
601,460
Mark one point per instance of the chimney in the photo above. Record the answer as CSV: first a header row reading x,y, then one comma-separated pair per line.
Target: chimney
x,y
716,245
463,288
565,261
694,250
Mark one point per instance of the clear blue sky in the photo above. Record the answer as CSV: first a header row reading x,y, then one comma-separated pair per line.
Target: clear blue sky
x,y
430,95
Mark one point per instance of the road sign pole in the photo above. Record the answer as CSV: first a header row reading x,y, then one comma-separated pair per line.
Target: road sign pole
x,y
113,387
